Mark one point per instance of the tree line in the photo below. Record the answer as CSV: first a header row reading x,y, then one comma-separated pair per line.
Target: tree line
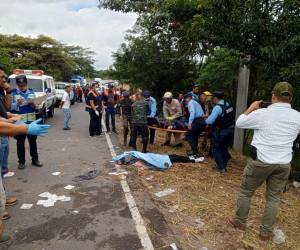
x,y
177,42
57,59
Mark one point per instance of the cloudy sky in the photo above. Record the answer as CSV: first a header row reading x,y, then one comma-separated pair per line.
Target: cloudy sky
x,y
73,22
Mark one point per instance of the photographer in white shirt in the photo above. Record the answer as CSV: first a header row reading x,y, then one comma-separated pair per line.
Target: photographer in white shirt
x,y
275,130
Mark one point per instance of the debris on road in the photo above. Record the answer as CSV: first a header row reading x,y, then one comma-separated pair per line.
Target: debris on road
x,y
69,187
52,199
165,192
56,173
9,174
279,237
118,173
87,176
26,206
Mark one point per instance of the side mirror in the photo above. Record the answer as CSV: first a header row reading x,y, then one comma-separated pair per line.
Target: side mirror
x,y
48,90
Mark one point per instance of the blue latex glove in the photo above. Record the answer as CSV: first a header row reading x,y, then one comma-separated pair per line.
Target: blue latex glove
x,y
37,129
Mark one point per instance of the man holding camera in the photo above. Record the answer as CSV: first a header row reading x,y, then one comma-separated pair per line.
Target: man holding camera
x,y
22,104
275,129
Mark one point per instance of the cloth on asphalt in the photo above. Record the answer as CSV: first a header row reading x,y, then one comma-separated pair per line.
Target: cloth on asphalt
x,y
156,161
87,176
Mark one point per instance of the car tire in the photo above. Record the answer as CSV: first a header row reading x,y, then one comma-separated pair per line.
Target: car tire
x,y
51,112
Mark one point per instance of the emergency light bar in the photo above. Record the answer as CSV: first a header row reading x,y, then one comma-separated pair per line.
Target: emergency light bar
x,y
28,72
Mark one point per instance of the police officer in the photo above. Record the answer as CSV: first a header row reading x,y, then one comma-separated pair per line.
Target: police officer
x,y
22,104
126,106
139,122
195,122
222,120
195,92
152,112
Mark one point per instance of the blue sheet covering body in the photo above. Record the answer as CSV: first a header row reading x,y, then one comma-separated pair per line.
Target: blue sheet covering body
x,y
158,161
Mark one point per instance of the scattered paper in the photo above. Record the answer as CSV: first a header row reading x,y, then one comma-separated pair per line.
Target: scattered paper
x,y
69,187
165,192
26,206
56,173
279,237
75,212
52,199
9,174
63,149
173,246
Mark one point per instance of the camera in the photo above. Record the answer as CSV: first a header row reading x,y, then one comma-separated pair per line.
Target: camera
x,y
265,104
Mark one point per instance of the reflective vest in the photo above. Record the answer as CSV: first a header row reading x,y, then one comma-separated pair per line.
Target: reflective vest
x,y
227,118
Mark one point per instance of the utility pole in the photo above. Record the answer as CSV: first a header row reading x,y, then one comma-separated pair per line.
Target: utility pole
x,y
241,105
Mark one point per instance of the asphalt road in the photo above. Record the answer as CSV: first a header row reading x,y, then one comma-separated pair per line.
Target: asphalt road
x,y
97,216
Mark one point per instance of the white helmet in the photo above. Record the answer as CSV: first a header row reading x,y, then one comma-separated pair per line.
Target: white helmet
x,y
168,95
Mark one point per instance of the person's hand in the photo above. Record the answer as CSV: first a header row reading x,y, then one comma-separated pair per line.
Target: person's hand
x,y
37,129
254,106
97,113
190,126
15,118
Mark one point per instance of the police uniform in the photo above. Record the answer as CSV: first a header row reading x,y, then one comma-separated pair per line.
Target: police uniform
x,y
139,124
27,111
151,113
126,106
196,121
222,120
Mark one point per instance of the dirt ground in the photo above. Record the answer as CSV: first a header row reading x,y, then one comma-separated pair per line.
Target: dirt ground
x,y
203,201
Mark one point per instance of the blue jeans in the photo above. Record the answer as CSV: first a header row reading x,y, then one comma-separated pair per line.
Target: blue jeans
x,y
221,141
4,152
67,117
110,113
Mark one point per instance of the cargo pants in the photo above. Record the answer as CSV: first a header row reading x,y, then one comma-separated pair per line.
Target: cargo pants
x,y
255,174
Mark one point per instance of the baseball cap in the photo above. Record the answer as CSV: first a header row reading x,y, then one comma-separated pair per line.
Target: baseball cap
x,y
168,95
283,89
21,80
207,93
188,95
218,94
146,93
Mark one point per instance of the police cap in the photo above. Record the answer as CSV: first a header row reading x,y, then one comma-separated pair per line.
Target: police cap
x,y
21,80
218,94
146,93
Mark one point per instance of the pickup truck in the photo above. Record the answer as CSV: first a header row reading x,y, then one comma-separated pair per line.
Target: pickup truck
x,y
43,87
60,89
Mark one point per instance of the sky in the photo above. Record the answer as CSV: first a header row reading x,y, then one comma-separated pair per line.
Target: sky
x,y
74,22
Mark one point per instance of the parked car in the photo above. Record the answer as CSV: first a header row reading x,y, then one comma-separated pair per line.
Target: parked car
x,y
44,88
60,89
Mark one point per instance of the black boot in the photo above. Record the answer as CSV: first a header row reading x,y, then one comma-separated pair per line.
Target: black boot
x,y
36,163
145,147
21,165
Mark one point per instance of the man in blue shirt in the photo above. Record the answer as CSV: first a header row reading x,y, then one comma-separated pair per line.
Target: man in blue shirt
x,y
152,112
195,122
222,119
22,104
195,92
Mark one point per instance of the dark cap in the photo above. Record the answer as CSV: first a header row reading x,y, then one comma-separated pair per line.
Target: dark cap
x,y
21,80
218,94
283,89
188,95
146,93
195,85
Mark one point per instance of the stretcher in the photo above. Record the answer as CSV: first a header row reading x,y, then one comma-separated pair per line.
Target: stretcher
x,y
167,130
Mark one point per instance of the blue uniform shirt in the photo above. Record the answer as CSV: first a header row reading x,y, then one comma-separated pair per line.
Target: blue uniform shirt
x,y
25,110
194,96
216,112
152,107
195,110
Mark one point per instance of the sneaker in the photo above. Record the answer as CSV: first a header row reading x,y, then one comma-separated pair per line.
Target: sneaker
x,y
11,201
67,129
197,159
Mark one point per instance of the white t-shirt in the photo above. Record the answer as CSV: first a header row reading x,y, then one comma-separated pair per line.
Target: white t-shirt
x,y
66,100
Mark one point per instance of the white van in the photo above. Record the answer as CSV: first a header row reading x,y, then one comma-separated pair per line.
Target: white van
x,y
44,88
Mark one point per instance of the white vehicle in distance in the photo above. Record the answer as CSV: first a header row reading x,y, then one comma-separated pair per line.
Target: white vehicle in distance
x,y
43,87
60,89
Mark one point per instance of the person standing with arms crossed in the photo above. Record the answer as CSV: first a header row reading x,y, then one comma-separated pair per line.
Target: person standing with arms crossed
x,y
275,130
65,106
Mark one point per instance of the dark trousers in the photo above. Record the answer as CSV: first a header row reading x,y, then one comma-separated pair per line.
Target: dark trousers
x,y
180,159
140,129
95,123
151,122
21,147
221,141
110,113
198,127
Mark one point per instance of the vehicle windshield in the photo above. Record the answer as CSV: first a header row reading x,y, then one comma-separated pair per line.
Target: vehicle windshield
x,y
60,86
35,84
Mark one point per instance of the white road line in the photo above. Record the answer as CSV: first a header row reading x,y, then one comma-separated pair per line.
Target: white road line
x,y
136,216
